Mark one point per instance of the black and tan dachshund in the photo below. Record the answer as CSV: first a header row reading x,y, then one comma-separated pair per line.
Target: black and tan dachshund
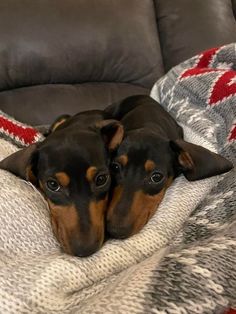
x,y
150,156
71,168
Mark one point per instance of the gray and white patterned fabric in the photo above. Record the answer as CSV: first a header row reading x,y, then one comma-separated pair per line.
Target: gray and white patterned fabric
x,y
183,261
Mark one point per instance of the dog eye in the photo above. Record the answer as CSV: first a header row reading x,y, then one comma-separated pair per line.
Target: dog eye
x,y
115,167
53,185
101,180
156,177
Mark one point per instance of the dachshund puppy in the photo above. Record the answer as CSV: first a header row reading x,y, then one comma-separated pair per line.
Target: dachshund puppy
x,y
71,169
152,154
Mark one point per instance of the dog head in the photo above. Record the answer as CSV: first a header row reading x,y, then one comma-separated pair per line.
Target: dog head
x,y
71,168
144,167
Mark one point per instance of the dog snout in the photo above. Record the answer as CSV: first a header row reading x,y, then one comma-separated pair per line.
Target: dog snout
x,y
77,236
118,232
119,219
125,219
84,249
81,244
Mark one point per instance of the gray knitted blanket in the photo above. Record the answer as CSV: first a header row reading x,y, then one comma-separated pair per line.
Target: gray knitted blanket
x,y
183,261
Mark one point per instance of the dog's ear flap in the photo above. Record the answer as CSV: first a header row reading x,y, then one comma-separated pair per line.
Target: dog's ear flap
x,y
22,163
119,109
58,122
197,162
112,132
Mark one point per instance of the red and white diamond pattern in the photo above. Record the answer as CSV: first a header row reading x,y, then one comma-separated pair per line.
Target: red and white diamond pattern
x,y
224,86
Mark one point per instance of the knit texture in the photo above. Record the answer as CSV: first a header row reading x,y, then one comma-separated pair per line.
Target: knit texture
x,y
183,261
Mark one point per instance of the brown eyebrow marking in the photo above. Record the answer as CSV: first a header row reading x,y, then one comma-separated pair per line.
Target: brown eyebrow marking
x,y
63,178
149,165
90,173
123,159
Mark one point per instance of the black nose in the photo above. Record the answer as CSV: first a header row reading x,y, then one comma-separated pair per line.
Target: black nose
x,y
118,232
84,250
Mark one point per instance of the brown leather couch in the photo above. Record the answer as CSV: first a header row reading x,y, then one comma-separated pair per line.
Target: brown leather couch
x,y
64,56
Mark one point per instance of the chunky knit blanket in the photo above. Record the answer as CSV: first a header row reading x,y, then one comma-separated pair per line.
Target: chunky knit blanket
x,y
183,261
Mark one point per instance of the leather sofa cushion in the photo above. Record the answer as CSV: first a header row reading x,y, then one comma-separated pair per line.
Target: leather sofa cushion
x,y
42,104
74,41
234,7
189,27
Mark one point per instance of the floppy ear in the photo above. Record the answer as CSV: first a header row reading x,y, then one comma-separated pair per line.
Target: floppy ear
x,y
23,163
120,108
197,162
58,122
112,132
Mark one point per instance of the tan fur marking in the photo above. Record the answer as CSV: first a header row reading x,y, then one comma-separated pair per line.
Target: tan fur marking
x,y
123,160
144,206
65,223
149,165
117,193
30,176
117,138
63,178
90,173
185,160
65,220
41,185
97,211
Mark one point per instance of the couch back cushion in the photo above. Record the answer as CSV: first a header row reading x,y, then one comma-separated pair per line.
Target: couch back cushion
x,y
189,27
76,41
